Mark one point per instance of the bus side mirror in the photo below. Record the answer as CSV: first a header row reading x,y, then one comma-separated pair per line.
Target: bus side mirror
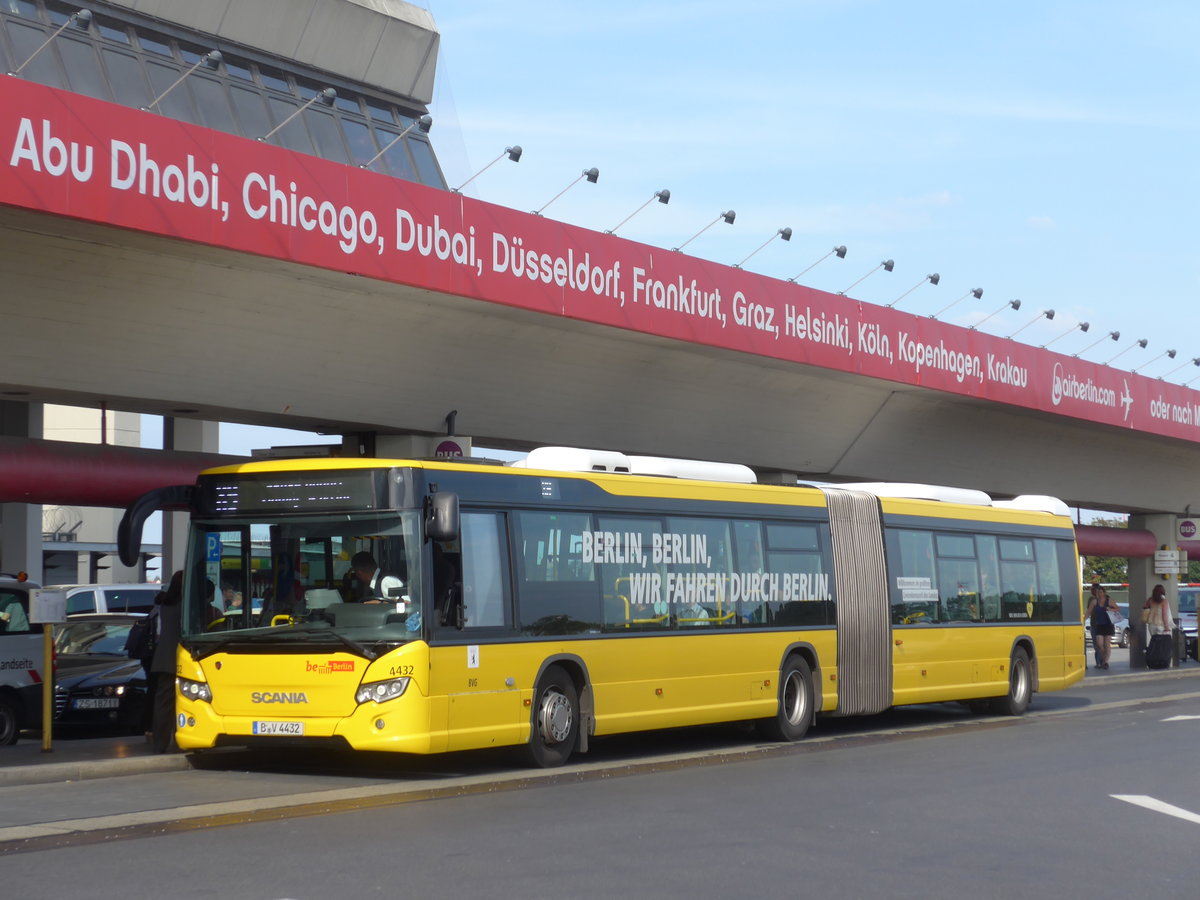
x,y
129,531
441,517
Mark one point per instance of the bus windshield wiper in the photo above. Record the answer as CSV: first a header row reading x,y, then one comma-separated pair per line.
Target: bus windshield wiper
x,y
201,649
355,646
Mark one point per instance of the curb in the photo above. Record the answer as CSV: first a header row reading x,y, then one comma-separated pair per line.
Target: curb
x,y
87,769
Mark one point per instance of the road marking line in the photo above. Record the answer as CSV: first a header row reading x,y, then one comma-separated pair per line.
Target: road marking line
x,y
1180,718
1158,806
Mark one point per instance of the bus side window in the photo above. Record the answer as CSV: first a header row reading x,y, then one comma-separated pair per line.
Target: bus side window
x,y
557,590
447,584
485,600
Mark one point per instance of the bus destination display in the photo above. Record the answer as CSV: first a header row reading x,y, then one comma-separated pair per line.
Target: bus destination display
x,y
293,492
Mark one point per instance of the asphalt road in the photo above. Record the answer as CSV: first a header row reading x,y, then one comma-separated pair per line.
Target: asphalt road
x,y
925,802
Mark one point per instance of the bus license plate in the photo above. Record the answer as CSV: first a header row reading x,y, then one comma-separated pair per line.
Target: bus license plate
x,y
288,728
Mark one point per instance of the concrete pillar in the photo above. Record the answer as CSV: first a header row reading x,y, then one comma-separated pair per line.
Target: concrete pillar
x,y
21,523
183,434
1142,581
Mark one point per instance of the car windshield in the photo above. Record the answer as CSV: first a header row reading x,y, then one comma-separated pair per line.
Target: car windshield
x,y
340,580
105,638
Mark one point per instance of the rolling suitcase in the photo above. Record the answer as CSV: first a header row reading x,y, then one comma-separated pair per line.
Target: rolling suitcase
x,y
1158,652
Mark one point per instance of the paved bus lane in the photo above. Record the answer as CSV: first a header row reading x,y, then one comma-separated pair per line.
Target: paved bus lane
x,y
919,803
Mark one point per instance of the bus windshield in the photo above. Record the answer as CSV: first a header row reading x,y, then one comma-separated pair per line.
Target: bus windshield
x,y
348,579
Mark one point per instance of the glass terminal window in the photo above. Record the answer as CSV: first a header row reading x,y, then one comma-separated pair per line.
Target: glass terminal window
x,y
120,58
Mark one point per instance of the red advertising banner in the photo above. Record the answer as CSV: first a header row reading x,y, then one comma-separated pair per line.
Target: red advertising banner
x,y
73,156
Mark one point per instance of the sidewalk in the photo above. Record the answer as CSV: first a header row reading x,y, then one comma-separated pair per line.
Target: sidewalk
x,y
1119,667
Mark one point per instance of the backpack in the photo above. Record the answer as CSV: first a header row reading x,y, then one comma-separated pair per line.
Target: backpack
x,y
143,637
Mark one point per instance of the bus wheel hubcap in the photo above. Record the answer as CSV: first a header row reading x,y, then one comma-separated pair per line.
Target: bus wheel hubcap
x,y
794,698
1020,684
554,718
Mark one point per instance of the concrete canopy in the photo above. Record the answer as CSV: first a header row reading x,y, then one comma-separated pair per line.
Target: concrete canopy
x,y
151,324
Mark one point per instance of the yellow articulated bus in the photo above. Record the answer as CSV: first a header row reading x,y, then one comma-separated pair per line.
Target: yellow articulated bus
x,y
426,606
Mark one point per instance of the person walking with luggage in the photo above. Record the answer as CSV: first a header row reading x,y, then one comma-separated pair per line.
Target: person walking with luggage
x,y
1156,614
1102,614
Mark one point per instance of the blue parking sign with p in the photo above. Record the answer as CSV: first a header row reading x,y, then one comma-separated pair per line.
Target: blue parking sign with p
x,y
213,553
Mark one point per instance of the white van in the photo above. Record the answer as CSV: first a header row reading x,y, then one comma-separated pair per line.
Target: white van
x,y
109,598
21,658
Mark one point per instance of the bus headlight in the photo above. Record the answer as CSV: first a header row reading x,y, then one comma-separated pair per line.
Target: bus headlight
x,y
195,690
382,691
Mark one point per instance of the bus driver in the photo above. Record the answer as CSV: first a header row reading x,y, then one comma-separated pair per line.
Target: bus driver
x,y
375,585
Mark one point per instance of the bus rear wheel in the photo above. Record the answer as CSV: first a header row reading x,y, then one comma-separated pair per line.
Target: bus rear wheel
x,y
1020,685
555,726
795,711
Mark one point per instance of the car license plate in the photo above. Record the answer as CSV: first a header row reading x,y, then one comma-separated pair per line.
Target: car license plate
x,y
96,703
288,728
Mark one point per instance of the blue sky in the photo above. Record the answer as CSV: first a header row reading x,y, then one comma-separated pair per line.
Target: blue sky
x,y
1043,151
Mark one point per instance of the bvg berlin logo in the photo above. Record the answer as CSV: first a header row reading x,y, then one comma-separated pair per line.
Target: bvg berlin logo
x,y
329,666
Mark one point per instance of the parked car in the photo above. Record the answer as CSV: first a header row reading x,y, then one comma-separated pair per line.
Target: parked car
x,y
21,660
96,684
109,598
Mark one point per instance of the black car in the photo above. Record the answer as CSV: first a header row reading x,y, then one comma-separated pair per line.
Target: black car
x,y
95,684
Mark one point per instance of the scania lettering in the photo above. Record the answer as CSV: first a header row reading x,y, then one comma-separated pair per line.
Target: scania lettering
x,y
278,697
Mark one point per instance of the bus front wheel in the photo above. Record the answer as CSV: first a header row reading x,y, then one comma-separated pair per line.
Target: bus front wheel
x,y
555,727
1020,685
795,711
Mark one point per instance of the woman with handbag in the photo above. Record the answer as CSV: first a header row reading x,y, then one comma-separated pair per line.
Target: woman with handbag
x,y
1156,614
1102,614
